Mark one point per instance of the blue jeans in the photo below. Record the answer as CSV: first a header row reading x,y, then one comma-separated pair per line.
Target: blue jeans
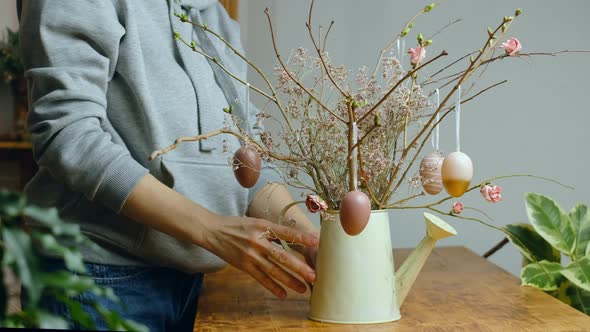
x,y
162,299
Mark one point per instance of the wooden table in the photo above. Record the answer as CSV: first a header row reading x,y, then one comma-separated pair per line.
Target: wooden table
x,y
456,291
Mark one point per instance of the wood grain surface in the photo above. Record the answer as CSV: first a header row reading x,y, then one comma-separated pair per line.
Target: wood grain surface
x,y
456,291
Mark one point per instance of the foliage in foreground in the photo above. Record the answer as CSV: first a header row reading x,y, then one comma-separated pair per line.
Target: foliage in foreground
x,y
20,253
553,232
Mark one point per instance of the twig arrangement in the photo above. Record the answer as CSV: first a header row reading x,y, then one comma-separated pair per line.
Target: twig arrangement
x,y
363,133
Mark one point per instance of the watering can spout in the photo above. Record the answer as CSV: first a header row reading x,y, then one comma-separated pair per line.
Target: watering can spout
x,y
436,229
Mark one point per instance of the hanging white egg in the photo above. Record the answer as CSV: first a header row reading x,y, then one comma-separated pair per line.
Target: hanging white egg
x,y
457,173
430,173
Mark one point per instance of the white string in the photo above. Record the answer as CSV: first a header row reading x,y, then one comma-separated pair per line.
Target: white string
x,y
458,119
403,49
248,104
436,137
355,133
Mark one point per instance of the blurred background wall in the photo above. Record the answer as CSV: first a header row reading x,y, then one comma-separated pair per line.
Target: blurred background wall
x,y
537,123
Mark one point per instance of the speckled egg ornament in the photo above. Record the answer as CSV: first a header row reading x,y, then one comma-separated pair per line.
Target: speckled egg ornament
x,y
457,168
431,165
430,173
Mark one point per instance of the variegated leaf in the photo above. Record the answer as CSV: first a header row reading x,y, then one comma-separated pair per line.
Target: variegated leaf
x,y
544,275
580,217
529,242
551,222
578,273
579,298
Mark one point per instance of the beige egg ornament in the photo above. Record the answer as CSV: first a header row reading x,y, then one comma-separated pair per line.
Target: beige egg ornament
x,y
431,173
457,173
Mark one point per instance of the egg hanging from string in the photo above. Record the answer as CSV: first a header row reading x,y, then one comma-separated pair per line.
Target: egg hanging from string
x,y
355,211
246,165
457,173
431,165
246,162
457,168
430,173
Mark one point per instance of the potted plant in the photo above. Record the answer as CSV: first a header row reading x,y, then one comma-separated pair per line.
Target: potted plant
x,y
20,256
551,234
354,140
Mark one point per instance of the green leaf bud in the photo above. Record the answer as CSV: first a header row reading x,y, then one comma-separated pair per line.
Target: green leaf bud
x,y
404,32
518,12
229,110
377,120
429,7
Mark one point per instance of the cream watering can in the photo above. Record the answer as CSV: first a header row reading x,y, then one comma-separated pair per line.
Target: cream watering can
x,y
356,282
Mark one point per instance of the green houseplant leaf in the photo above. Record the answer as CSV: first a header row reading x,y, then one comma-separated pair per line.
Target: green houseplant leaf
x,y
19,253
530,244
551,222
579,298
580,217
11,204
578,272
22,252
72,258
544,275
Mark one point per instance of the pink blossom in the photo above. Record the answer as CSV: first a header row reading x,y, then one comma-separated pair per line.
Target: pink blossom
x,y
512,46
458,208
491,194
417,55
315,204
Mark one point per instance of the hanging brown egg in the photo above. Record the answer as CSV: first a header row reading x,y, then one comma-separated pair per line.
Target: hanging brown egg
x,y
430,173
246,164
355,211
457,173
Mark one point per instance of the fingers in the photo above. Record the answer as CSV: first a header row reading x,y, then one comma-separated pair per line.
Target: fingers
x,y
267,282
288,260
278,273
295,236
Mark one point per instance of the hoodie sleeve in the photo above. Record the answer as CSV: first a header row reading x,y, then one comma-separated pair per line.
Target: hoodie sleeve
x,y
70,51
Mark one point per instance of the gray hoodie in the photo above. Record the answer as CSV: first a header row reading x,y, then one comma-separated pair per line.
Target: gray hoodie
x,y
108,84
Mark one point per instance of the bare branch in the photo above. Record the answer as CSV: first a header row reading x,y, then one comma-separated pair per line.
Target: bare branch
x,y
278,55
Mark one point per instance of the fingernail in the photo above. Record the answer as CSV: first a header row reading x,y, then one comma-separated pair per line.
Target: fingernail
x,y
311,276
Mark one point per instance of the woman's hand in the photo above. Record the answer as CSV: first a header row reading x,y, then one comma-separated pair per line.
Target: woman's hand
x,y
246,243
242,242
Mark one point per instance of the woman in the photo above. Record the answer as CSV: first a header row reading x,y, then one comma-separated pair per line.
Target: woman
x,y
109,84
